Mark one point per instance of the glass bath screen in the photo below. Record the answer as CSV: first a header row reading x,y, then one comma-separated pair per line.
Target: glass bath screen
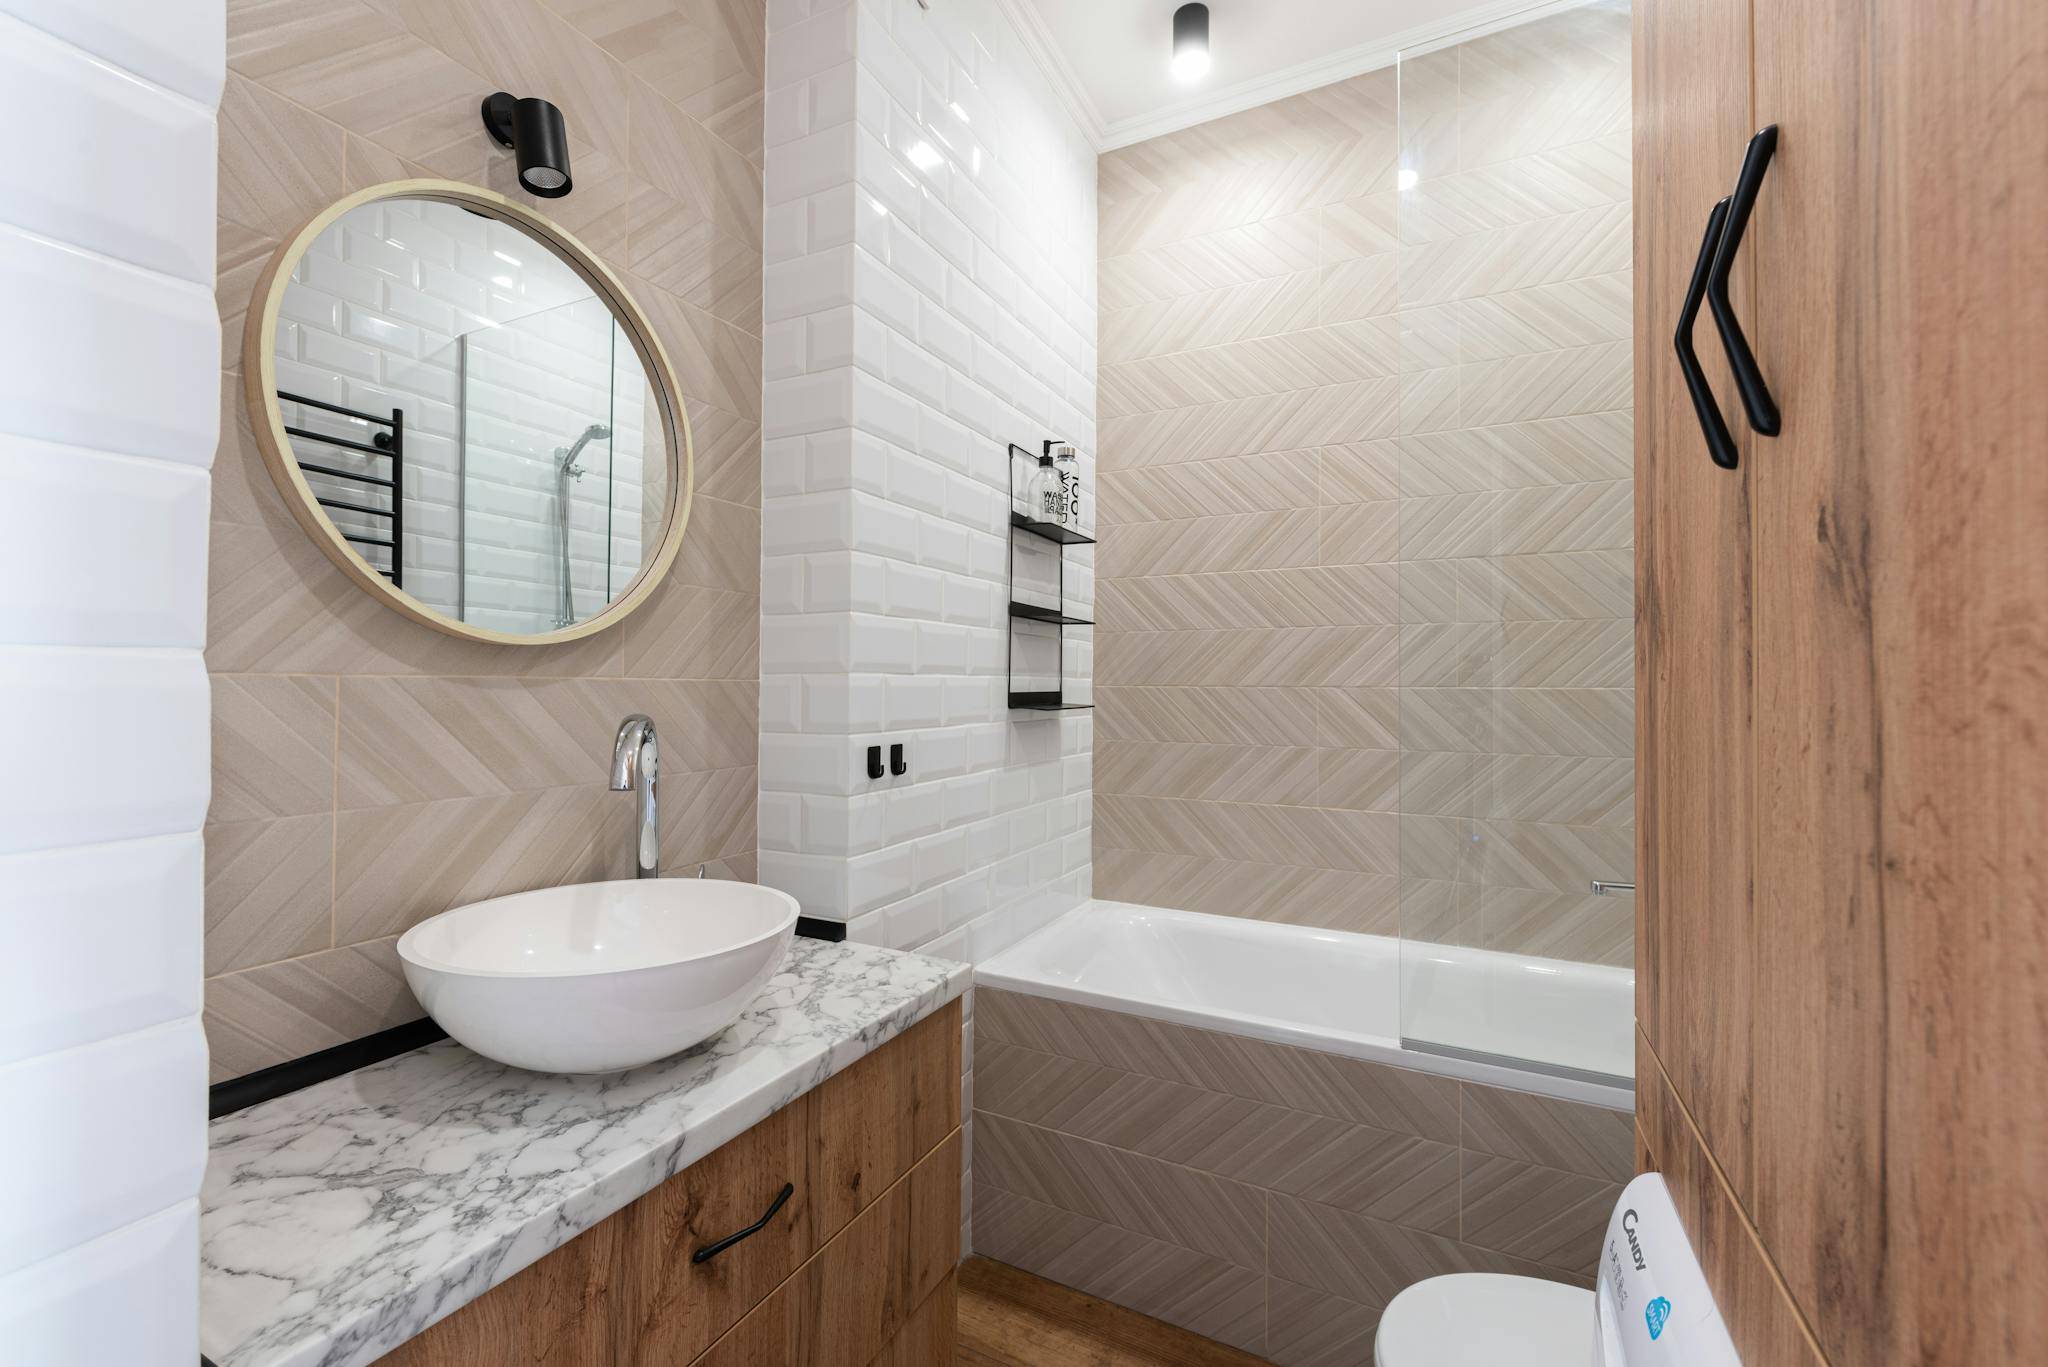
x,y
1515,454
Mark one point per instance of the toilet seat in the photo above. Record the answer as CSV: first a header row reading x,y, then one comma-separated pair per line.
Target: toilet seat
x,y
1484,1319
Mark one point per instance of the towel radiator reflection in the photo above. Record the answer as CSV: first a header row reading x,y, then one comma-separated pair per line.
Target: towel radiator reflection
x,y
389,444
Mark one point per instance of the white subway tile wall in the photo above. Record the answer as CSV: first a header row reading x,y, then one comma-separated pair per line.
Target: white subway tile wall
x,y
928,300
108,418
499,356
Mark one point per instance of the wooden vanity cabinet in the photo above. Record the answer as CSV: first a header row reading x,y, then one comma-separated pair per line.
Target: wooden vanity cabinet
x,y
855,1267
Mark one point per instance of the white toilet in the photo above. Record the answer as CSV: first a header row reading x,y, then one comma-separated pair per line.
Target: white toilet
x,y
1652,1308
1484,1319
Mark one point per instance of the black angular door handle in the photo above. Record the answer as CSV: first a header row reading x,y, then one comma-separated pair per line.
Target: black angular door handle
x,y
1720,445
712,1250
1749,378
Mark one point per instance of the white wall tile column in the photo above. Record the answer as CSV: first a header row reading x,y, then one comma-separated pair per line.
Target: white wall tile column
x,y
109,408
929,300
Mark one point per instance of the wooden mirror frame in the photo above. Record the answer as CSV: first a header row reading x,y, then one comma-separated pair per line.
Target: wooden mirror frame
x,y
259,372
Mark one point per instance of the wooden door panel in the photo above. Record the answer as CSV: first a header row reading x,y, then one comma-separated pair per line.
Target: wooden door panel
x,y
1693,706
1900,1178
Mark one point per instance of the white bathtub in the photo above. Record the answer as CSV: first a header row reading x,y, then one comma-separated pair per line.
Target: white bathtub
x,y
1342,993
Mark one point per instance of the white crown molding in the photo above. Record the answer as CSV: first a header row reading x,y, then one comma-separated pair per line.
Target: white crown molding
x,y
1311,75
1038,41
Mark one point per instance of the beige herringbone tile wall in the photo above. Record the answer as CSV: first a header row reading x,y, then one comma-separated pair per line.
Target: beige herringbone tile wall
x,y
1364,586
369,772
1272,1197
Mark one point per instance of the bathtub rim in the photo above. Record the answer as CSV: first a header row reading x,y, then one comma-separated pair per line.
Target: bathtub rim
x,y
1000,973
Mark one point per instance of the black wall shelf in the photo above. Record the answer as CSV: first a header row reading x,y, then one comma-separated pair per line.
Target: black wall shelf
x,y
1051,531
1032,612
1061,536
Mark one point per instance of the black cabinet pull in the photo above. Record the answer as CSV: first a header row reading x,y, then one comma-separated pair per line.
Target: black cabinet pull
x,y
712,1250
1749,379
1720,445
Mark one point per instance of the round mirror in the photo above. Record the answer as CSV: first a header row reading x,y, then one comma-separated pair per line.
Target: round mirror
x,y
467,412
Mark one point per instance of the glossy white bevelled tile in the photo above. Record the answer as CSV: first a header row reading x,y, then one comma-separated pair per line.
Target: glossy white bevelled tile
x,y
177,46
98,353
125,537
97,1168
97,940
149,146
130,1296
118,750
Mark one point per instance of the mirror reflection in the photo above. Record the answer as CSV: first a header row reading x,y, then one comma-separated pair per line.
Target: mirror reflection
x,y
471,415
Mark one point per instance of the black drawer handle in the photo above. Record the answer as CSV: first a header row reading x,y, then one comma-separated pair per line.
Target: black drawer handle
x,y
1720,445
1749,378
712,1250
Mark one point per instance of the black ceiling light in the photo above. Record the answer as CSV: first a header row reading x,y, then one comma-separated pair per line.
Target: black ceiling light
x,y
1191,42
534,130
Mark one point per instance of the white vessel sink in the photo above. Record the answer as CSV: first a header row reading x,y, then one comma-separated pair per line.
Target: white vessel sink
x,y
597,977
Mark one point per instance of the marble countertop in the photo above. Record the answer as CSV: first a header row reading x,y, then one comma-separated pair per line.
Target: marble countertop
x,y
340,1221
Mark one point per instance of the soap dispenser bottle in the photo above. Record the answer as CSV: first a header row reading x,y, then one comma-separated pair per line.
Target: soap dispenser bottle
x,y
1067,465
1044,494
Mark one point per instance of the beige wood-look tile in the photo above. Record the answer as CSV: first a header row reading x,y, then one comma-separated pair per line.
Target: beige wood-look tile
x,y
1203,545
522,45
397,865
1403,1178
1361,472
1327,899
1274,483
1230,773
1311,1328
1221,715
1146,1196
420,740
1358,780
1366,718
1546,1215
1338,657
1399,1100
1591,1140
704,56
715,362
279,163
277,605
1233,313
1359,534
687,631
240,254
269,1015
1275,248
1210,1296
1558,925
1371,1261
1304,837
697,212
1334,595
273,747
269,890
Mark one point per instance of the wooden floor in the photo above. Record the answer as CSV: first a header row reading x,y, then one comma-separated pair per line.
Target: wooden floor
x,y
1009,1318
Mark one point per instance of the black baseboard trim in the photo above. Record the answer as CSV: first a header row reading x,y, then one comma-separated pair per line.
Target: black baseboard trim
x,y
817,928
240,1093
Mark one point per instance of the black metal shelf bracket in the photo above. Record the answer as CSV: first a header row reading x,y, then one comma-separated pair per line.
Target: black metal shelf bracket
x,y
1061,536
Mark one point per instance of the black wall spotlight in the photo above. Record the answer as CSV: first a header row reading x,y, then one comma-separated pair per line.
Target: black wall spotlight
x,y
534,130
1190,42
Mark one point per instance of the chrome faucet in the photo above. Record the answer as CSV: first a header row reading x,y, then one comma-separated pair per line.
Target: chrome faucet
x,y
636,763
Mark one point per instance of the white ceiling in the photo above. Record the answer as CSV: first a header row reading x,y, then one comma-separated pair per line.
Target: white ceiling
x,y
1108,58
